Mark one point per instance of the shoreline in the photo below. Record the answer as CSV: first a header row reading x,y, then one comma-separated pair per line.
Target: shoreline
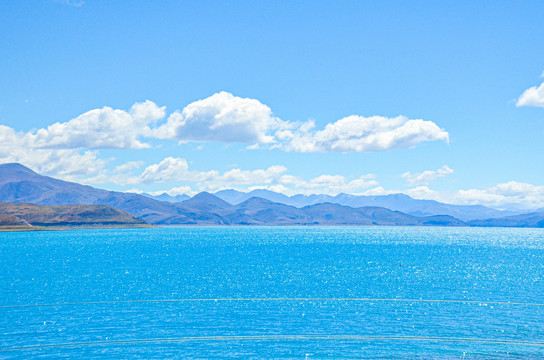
x,y
72,227
7,229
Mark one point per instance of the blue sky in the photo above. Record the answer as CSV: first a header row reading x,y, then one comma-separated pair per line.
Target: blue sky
x,y
440,100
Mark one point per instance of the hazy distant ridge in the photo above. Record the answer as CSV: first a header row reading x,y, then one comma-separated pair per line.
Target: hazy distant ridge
x,y
398,202
19,184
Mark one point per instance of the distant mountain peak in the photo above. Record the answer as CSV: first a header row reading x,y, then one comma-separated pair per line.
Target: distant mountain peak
x,y
263,191
16,172
257,200
168,198
399,196
229,191
205,197
16,167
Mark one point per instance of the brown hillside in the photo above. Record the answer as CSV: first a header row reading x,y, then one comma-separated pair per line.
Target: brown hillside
x,y
65,215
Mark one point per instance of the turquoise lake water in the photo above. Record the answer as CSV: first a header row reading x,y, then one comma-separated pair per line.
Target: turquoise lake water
x,y
273,292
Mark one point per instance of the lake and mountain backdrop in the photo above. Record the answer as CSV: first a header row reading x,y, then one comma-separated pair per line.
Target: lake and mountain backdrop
x,y
271,179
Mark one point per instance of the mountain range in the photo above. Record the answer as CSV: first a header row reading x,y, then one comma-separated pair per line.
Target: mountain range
x,y
206,208
18,184
168,198
397,202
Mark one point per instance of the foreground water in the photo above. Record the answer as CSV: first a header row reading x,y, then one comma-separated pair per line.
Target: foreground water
x,y
273,292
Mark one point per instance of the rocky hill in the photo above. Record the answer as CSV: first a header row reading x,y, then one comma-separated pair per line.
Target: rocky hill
x,y
17,214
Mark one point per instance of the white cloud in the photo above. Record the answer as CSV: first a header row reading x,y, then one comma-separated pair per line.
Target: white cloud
x,y
426,177
325,184
66,164
222,117
63,164
511,195
181,190
74,3
273,178
101,128
379,190
134,191
361,134
177,169
534,96
9,137
120,175
61,150
68,149
250,177
169,169
128,166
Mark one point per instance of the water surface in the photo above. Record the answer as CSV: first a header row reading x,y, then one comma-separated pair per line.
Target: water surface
x,y
273,292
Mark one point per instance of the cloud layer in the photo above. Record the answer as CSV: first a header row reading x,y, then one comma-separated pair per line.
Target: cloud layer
x,y
221,117
510,195
273,178
70,149
224,117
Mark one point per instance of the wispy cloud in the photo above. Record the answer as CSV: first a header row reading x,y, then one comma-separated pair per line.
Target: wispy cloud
x,y
74,3
426,177
275,178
